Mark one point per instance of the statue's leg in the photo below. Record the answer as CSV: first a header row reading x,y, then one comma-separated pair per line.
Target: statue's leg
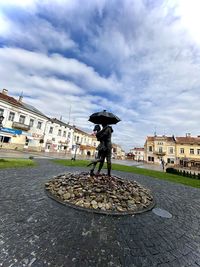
x,y
102,159
94,166
108,158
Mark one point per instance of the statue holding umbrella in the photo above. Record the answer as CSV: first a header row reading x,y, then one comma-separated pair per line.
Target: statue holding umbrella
x,y
104,137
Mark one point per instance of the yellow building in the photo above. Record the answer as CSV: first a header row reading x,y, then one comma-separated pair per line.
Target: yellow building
x,y
159,148
84,144
188,151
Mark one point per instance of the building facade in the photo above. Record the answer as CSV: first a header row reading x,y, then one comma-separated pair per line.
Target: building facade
x,y
83,143
58,136
117,152
27,128
180,151
157,148
23,125
188,151
137,153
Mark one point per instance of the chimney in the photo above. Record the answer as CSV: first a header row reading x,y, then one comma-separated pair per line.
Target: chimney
x,y
5,91
20,98
188,134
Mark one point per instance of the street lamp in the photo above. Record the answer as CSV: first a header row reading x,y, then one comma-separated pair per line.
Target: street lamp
x,y
77,145
1,126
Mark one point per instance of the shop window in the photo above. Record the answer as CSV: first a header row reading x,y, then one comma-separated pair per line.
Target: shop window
x,y
26,141
170,161
151,159
11,116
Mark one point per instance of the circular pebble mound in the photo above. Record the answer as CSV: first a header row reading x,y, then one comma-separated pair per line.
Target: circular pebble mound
x,y
101,194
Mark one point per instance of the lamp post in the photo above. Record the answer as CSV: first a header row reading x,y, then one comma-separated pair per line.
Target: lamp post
x,y
1,126
77,145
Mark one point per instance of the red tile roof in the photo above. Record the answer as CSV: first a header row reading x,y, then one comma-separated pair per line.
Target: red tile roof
x,y
158,138
10,100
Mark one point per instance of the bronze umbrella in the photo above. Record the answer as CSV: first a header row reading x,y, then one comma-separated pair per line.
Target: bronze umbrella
x,y
104,117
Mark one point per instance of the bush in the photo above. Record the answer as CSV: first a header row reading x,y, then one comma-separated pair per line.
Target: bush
x,y
172,170
3,160
31,157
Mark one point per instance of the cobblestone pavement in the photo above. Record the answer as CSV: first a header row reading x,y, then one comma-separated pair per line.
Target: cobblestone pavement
x,y
37,231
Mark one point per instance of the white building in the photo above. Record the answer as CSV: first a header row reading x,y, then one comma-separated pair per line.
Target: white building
x,y
138,153
23,125
58,136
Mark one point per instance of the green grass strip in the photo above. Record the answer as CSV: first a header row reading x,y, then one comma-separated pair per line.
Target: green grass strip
x,y
16,163
132,169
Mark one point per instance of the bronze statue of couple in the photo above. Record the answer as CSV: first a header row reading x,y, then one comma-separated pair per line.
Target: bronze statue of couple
x,y
104,148
104,137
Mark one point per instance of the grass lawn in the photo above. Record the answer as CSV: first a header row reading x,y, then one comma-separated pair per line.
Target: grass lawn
x,y
118,167
15,163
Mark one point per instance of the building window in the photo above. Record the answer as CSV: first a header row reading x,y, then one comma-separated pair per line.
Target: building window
x,y
64,134
150,149
191,150
198,151
69,135
1,111
59,132
77,140
160,149
51,130
11,116
181,150
31,122
171,150
22,119
39,125
151,159
170,161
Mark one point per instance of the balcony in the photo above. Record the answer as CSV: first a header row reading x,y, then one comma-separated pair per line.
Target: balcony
x,y
21,126
160,153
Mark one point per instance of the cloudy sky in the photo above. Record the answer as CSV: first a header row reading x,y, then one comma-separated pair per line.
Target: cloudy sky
x,y
139,59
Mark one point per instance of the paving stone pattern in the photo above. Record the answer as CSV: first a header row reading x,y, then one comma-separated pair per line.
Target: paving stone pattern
x,y
37,231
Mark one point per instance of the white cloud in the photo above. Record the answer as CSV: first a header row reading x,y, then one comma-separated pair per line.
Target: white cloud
x,y
140,61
